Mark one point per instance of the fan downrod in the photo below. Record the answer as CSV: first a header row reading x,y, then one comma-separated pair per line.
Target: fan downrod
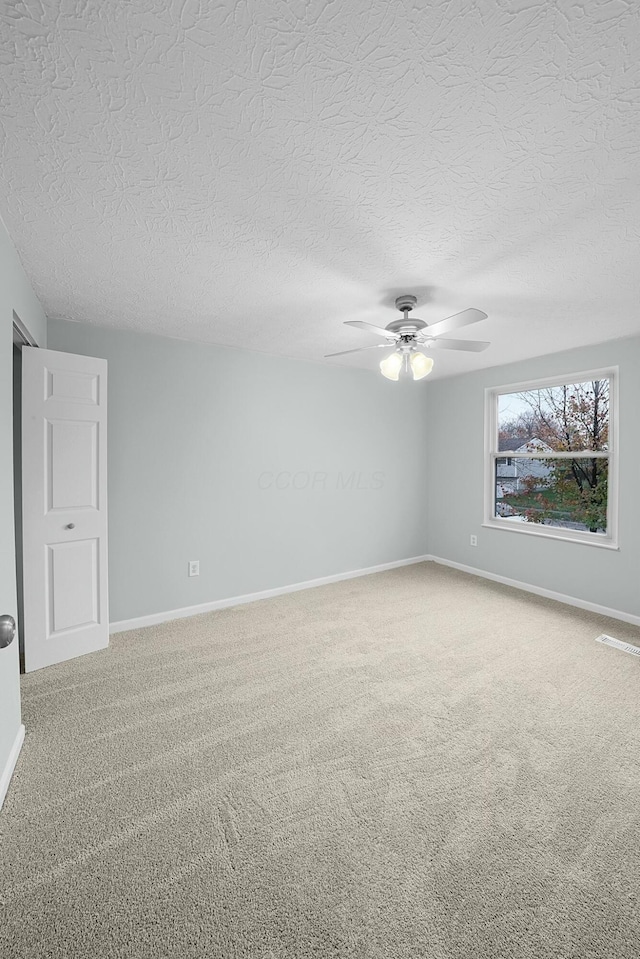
x,y
407,327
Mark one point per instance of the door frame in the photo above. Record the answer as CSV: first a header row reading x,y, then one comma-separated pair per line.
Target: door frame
x,y
22,336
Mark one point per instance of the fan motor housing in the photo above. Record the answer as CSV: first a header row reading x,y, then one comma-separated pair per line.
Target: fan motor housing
x,y
406,326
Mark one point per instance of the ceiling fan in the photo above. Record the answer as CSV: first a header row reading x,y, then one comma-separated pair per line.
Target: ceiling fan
x,y
410,335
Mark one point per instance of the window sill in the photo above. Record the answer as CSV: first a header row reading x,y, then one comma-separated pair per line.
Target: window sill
x,y
584,539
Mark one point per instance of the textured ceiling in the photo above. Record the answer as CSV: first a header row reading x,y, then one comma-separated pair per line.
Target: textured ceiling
x,y
253,173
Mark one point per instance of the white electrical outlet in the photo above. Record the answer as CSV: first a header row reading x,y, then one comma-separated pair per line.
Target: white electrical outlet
x,y
194,567
473,540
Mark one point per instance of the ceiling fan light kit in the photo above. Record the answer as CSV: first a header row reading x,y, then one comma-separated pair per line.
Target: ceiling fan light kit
x,y
409,336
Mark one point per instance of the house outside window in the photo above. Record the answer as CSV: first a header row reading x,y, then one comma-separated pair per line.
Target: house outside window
x,y
551,457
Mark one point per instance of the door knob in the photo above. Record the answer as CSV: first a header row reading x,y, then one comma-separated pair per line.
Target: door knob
x,y
7,630
70,526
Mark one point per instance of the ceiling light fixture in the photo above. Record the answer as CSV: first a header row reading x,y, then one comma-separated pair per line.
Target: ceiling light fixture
x,y
406,359
407,334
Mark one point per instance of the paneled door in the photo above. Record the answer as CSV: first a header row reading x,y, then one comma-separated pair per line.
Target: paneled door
x,y
64,506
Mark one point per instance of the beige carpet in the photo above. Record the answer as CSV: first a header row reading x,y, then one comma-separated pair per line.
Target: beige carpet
x,y
413,764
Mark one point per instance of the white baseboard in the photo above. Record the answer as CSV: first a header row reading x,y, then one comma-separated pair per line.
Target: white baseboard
x,y
539,591
10,765
155,618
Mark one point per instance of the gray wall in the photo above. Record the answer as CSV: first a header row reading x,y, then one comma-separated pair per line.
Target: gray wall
x,y
456,475
199,439
15,295
196,432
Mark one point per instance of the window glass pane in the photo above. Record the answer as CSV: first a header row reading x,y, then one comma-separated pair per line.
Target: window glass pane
x,y
568,418
566,493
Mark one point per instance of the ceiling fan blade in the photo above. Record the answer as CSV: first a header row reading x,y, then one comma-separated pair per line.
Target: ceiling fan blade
x,y
470,346
370,328
455,322
361,349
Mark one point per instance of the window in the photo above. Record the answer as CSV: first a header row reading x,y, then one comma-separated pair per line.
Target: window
x,y
558,478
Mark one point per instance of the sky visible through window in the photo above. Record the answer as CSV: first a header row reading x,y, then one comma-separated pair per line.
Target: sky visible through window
x,y
510,406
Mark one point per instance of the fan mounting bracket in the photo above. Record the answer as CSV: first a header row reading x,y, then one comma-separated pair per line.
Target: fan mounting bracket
x,y
406,302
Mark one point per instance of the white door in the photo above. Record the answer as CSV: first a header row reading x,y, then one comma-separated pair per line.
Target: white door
x,y
64,505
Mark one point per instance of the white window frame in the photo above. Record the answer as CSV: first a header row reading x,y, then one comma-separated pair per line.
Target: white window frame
x,y
491,453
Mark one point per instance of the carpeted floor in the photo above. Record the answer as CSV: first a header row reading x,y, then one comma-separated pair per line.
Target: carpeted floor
x,y
416,764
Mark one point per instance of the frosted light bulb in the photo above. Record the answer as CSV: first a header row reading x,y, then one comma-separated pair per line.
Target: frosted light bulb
x,y
421,365
391,366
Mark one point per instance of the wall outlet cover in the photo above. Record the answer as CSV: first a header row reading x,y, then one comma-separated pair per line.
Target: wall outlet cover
x,y
194,567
